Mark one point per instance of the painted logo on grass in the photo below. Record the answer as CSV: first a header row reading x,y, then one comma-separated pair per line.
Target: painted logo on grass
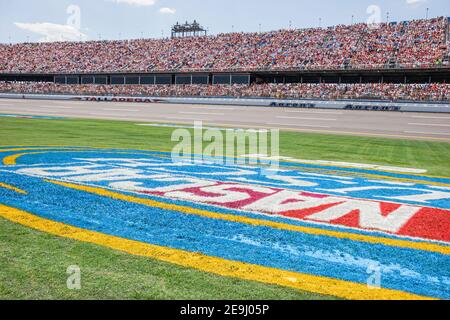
x,y
399,208
237,213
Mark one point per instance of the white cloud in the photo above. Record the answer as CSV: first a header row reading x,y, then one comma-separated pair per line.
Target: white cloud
x,y
137,3
415,3
167,11
53,32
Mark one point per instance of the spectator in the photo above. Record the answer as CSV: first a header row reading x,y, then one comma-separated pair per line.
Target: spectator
x,y
416,92
410,44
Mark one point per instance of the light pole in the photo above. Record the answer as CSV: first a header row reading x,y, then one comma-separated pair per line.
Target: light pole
x,y
353,17
387,17
320,22
428,9
260,28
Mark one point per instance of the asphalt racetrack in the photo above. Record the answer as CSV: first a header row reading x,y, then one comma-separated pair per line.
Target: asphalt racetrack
x,y
426,126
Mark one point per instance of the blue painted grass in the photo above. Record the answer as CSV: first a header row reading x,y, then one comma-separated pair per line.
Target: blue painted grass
x,y
418,272
388,193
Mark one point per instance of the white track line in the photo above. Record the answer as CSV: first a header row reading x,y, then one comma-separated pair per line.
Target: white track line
x,y
314,112
203,113
105,114
50,107
213,108
429,124
432,133
124,110
36,108
430,117
184,118
13,101
296,125
46,112
303,118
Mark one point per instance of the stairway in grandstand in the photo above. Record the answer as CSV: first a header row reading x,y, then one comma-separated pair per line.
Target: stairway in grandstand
x,y
348,63
391,63
447,33
446,57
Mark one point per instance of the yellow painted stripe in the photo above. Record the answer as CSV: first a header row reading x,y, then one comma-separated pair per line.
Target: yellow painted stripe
x,y
389,178
12,188
426,182
12,160
257,222
80,148
421,175
25,149
373,175
373,169
20,149
166,150
219,266
50,146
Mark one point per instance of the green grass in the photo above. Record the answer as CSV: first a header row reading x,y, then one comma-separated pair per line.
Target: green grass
x,y
430,155
33,264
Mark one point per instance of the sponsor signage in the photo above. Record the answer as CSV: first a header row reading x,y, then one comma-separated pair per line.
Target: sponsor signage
x,y
293,105
118,99
372,107
263,102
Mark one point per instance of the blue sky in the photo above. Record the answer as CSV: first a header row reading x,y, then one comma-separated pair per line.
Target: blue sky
x,y
50,20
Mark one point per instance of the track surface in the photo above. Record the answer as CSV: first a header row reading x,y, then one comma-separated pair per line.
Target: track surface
x,y
426,126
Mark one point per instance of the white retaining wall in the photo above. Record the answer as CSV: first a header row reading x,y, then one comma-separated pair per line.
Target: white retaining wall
x,y
288,103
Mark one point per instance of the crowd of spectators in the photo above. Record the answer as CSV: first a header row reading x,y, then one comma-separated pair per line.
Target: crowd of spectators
x,y
416,92
419,43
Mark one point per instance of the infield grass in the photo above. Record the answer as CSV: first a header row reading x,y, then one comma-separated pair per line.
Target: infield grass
x,y
430,155
33,264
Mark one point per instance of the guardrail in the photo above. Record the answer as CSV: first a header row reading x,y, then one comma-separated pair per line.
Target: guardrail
x,y
253,102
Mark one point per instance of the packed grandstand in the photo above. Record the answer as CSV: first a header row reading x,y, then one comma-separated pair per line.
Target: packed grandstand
x,y
393,92
420,44
417,43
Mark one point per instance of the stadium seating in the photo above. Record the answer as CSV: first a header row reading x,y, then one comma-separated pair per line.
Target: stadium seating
x,y
413,44
417,92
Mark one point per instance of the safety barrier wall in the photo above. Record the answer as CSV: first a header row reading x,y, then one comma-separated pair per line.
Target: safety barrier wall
x,y
266,102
